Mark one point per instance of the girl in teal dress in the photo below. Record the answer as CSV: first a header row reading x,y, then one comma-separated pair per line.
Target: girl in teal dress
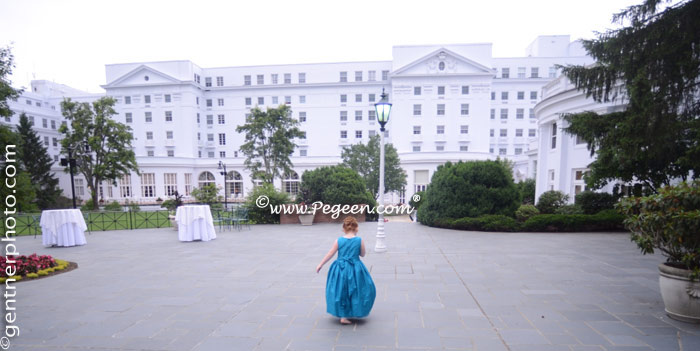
x,y
350,291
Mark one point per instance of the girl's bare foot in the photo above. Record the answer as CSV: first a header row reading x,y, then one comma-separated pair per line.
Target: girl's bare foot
x,y
345,321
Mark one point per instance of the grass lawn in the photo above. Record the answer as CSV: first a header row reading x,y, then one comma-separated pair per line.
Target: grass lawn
x,y
28,224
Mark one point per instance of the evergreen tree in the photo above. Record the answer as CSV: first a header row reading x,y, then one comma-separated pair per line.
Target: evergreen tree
x,y
652,66
37,163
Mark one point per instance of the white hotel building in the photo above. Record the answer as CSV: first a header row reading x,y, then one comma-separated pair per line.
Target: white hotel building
x,y
450,103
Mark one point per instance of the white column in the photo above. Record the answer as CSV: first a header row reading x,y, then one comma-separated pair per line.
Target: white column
x,y
380,246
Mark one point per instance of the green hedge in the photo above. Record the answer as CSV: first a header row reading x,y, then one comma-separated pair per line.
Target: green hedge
x,y
602,221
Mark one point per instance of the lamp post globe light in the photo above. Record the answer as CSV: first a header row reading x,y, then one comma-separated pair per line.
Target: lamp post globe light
x,y
383,109
225,174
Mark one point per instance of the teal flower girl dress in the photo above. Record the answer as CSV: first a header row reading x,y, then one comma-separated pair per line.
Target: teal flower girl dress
x,y
350,291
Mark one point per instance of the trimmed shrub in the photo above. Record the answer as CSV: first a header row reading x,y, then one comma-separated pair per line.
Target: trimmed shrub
x,y
527,191
264,215
569,209
487,223
42,273
549,201
526,211
603,221
32,275
469,189
416,204
336,185
114,206
592,202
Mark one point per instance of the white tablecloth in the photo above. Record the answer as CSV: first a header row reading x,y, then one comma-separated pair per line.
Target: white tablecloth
x,y
194,222
63,228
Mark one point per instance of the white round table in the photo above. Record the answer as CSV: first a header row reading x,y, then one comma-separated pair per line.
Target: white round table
x,y
63,227
194,222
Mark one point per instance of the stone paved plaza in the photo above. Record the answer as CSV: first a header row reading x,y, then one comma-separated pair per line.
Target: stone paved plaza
x,y
436,289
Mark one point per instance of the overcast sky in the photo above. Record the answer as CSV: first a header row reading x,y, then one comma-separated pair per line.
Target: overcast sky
x,y
70,41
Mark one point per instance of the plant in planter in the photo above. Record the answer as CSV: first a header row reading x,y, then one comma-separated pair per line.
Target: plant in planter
x,y
670,222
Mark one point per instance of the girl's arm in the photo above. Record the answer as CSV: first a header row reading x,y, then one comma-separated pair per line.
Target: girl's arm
x,y
328,256
362,248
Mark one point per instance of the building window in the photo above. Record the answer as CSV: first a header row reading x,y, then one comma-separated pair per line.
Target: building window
x,y
302,99
531,133
371,115
55,142
343,116
128,117
533,95
188,182
207,81
290,183
260,79
554,135
534,72
205,178
275,100
420,180
125,186
148,185
302,78
417,109
520,113
127,100
441,90
150,153
53,124
44,123
441,129
532,113
372,98
167,98
147,99
358,76
222,119
416,148
385,75
465,90
210,120
416,130
222,154
358,115
246,80
416,91
169,134
493,95
504,95
220,102
149,117
248,101
171,153
552,72
209,102
219,81
518,150
149,135
358,134
491,150
343,134
465,109
287,78
464,129
372,133
493,113
168,116
579,180
303,135
343,76
302,116
502,151
372,76
464,148
234,184
170,182
439,147
358,97
491,133
274,78
518,132
504,113
343,98
505,72
503,133
302,152
521,95
261,101
521,72
441,109
222,138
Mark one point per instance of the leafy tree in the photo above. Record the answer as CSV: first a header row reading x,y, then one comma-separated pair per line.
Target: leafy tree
x,y
269,142
22,188
6,90
206,194
364,158
37,163
651,64
100,145
335,185
469,189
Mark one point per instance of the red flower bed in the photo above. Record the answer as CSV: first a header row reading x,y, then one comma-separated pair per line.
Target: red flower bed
x,y
26,264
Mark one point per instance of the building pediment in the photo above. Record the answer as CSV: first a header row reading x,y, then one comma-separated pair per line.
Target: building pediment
x,y
442,62
142,75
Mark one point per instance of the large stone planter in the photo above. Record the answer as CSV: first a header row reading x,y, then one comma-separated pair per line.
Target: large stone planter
x,y
681,296
306,219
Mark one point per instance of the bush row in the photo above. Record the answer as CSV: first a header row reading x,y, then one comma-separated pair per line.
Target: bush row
x,y
602,221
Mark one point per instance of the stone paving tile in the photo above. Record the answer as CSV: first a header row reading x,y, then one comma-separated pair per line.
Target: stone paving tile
x,y
436,289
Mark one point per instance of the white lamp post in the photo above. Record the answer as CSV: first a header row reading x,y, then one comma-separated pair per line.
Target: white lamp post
x,y
383,108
